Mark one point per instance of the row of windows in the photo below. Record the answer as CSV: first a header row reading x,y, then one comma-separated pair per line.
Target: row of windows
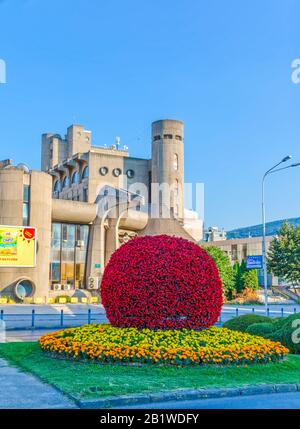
x,y
58,186
116,172
167,136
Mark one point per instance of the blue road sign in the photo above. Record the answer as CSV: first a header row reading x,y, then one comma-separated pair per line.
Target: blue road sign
x,y
254,262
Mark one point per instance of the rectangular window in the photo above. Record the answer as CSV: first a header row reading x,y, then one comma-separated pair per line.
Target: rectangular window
x,y
64,232
26,202
68,255
81,254
55,263
85,195
26,193
234,252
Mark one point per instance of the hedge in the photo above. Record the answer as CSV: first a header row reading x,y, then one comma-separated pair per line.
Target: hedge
x,y
241,323
260,329
283,329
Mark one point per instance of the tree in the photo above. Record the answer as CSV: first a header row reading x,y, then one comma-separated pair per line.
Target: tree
x,y
239,271
284,254
225,269
250,280
244,279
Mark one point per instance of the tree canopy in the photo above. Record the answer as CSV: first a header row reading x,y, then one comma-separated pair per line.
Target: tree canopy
x,y
284,254
226,272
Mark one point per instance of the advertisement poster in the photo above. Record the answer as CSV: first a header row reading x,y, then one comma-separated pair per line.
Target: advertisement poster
x,y
17,246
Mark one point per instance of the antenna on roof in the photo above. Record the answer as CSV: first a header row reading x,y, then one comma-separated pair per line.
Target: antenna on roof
x,y
118,142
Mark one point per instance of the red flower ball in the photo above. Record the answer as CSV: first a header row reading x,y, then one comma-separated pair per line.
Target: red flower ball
x,y
161,282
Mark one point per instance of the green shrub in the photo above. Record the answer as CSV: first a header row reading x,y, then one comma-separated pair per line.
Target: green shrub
x,y
250,279
283,332
285,336
280,329
279,322
241,323
260,329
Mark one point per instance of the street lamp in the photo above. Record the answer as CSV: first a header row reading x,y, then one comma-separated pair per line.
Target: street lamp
x,y
264,255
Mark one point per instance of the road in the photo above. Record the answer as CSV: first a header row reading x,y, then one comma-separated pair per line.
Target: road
x,y
268,401
275,310
19,319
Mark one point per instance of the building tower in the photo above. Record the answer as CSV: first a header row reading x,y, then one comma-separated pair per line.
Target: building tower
x,y
168,164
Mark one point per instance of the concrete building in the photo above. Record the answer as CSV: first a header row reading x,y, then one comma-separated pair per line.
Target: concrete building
x,y
87,201
213,233
238,250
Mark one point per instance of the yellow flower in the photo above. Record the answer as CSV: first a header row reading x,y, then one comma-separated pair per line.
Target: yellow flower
x,y
219,346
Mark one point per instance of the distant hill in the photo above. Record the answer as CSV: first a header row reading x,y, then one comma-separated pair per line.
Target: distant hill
x,y
272,228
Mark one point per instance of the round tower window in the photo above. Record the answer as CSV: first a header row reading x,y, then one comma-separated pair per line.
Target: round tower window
x,y
117,172
130,174
175,162
103,171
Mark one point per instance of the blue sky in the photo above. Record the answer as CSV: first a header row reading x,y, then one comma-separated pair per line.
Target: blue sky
x,y
224,68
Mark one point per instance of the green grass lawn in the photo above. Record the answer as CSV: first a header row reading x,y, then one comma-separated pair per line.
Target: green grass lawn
x,y
88,380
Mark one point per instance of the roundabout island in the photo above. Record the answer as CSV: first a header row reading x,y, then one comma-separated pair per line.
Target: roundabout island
x,y
162,296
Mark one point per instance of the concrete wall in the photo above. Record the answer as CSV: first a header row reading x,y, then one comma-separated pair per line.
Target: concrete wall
x,y
141,168
111,160
73,212
79,140
238,249
54,150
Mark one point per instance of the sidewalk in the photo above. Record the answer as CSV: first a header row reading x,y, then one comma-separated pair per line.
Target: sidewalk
x,y
20,390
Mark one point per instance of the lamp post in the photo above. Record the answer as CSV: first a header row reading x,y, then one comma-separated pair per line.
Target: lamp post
x,y
264,253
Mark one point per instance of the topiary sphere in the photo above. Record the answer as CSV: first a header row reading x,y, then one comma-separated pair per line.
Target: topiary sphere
x,y
161,282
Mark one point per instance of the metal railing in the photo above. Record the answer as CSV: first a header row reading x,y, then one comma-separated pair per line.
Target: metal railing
x,y
228,313
61,319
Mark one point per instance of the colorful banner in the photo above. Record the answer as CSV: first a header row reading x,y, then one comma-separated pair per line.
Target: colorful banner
x,y
17,246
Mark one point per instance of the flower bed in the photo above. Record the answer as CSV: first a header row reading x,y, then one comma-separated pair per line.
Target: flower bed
x,y
108,344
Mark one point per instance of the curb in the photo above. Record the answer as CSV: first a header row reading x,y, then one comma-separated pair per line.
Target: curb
x,y
179,395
